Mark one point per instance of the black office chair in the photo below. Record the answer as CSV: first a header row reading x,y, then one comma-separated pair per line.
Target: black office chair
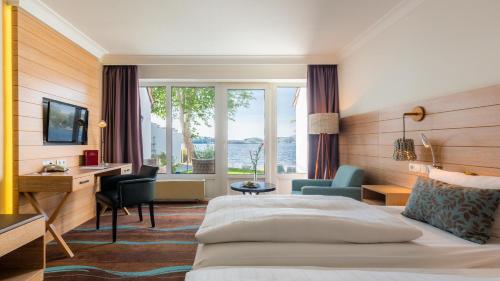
x,y
126,191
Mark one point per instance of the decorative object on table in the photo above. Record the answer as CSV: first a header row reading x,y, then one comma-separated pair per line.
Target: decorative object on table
x,y
102,124
427,144
250,184
254,158
323,124
258,188
90,157
404,149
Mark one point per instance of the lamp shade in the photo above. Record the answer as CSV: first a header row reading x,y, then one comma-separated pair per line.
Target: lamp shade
x,y
323,123
404,150
102,124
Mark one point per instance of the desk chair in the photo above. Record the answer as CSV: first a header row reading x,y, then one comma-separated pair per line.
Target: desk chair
x,y
123,191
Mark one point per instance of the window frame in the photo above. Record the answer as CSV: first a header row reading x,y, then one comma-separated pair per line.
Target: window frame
x,y
221,128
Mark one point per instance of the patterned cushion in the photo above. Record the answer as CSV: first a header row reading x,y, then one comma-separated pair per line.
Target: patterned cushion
x,y
463,211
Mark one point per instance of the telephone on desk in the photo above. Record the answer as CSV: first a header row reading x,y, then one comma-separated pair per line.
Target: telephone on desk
x,y
54,168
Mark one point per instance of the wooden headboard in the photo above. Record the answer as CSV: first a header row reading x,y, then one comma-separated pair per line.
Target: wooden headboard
x,y
464,128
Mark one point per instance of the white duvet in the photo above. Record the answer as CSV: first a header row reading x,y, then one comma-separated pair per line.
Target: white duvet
x,y
323,274
313,219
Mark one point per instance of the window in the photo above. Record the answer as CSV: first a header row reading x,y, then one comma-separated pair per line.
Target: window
x,y
246,123
217,131
291,104
154,121
193,134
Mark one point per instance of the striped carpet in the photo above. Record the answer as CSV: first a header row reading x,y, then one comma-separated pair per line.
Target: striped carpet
x,y
140,253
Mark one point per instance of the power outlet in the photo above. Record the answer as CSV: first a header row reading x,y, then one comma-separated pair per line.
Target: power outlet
x,y
417,168
61,162
48,162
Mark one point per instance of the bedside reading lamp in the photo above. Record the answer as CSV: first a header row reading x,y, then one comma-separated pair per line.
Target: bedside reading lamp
x,y
427,144
102,124
323,124
404,149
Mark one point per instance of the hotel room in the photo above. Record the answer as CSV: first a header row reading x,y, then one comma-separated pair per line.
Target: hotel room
x,y
238,140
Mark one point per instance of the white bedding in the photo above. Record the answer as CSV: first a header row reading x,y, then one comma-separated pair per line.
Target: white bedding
x,y
435,249
322,274
277,201
287,219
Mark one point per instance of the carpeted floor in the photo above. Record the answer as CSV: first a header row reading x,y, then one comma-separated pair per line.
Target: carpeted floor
x,y
140,253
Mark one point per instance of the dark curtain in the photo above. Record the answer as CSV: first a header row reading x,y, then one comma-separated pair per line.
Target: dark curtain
x,y
322,97
122,113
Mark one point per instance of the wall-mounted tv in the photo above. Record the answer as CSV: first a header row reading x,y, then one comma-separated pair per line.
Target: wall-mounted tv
x,y
64,123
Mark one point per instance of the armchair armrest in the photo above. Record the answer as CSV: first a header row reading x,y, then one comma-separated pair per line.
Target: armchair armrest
x,y
351,192
136,191
298,184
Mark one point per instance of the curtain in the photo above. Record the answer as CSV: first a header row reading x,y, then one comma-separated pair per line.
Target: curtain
x,y
122,113
323,97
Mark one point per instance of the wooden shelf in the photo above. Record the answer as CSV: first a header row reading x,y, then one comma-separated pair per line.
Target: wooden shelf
x,y
385,195
374,202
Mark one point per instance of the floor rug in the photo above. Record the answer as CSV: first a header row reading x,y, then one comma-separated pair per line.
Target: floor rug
x,y
165,252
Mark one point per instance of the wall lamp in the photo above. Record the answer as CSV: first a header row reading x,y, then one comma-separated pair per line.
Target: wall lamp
x,y
404,149
427,144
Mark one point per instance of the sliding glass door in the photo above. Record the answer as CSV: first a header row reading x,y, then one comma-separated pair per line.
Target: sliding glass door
x,y
246,131
221,132
193,132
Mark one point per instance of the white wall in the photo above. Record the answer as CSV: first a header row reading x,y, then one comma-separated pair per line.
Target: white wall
x,y
439,48
223,72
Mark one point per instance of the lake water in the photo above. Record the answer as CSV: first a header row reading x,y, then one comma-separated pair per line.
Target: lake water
x,y
239,156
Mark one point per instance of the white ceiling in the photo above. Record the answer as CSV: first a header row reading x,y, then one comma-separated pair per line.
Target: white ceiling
x,y
222,27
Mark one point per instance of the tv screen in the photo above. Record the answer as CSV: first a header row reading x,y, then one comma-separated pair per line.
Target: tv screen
x,y
61,122
64,123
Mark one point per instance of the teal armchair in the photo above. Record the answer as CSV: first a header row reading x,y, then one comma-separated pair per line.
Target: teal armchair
x,y
347,182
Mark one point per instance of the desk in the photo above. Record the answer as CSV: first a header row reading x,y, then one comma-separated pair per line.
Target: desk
x,y
22,247
75,179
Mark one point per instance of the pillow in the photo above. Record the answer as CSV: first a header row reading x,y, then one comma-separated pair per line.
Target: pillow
x,y
462,179
465,212
470,181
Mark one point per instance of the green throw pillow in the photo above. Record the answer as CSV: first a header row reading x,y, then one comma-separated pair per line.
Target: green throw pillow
x,y
463,211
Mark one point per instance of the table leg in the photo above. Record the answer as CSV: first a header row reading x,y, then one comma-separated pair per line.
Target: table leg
x,y
49,226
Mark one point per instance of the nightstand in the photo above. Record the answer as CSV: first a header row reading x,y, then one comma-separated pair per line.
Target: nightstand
x,y
385,195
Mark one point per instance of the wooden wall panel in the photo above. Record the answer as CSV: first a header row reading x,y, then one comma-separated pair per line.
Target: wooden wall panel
x,y
48,65
464,128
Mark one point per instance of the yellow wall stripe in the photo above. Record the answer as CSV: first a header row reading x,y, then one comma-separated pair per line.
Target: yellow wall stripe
x,y
8,160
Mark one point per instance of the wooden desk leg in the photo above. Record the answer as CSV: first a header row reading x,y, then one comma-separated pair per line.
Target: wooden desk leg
x,y
105,208
49,226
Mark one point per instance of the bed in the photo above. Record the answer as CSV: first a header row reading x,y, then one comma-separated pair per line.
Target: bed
x,y
434,249
320,274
